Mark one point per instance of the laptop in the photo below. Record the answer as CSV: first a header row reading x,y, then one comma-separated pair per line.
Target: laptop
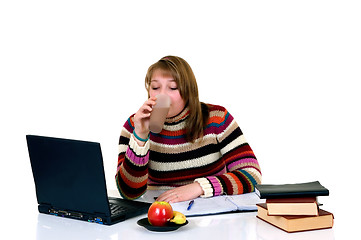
x,y
70,182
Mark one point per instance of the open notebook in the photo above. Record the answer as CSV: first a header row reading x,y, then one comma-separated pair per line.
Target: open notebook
x,y
214,205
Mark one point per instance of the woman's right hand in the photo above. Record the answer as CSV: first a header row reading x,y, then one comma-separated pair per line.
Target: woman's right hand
x,y
141,118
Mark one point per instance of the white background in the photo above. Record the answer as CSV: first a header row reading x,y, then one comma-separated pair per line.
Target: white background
x,y
288,71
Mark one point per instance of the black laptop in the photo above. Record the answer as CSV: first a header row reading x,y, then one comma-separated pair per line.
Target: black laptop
x,y
70,182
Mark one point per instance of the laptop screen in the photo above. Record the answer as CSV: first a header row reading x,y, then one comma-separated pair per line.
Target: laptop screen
x,y
68,174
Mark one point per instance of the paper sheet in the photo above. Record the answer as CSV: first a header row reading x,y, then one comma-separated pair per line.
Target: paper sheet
x,y
212,205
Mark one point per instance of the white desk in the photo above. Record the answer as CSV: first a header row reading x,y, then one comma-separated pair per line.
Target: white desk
x,y
245,226
226,226
27,223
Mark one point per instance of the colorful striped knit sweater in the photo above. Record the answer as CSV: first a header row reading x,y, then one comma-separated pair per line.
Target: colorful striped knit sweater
x,y
221,161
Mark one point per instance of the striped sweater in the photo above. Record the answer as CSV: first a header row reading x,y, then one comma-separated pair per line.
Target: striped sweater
x,y
221,161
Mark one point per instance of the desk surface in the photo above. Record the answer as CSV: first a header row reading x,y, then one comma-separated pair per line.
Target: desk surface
x,y
32,225
226,226
223,226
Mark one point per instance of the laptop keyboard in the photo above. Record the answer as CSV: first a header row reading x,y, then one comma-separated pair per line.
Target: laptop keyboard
x,y
116,209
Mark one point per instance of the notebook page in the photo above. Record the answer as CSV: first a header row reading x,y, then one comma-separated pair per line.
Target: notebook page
x,y
212,205
246,202
205,206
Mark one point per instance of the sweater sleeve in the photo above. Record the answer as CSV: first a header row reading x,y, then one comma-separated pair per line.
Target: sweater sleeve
x,y
132,170
243,171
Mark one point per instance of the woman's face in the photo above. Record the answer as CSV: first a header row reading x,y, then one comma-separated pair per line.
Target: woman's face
x,y
165,84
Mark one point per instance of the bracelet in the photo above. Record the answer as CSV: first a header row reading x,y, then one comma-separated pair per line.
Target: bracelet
x,y
139,138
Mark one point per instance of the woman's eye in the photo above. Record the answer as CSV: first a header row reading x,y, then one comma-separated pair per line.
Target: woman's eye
x,y
155,88
174,88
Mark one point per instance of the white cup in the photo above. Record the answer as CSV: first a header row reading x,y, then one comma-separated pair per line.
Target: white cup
x,y
159,113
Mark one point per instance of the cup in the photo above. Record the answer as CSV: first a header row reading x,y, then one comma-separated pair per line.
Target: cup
x,y
159,113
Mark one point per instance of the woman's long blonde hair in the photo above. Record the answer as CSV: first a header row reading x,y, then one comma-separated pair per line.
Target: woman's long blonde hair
x,y
183,75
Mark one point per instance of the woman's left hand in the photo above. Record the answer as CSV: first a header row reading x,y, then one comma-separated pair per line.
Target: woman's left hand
x,y
183,193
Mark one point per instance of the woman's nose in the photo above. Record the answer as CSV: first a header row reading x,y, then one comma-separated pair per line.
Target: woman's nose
x,y
163,91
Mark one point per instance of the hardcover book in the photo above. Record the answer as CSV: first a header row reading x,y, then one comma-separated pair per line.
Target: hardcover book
x,y
296,223
293,206
297,190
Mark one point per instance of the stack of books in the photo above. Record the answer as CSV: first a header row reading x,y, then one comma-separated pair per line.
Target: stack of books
x,y
293,207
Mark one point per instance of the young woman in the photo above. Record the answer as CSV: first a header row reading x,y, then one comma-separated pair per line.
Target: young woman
x,y
200,151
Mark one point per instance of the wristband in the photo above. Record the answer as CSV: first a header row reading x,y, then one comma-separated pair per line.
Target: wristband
x,y
139,138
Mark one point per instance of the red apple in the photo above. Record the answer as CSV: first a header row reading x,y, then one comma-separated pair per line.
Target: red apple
x,y
160,213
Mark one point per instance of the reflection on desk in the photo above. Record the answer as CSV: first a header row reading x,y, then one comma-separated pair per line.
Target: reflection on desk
x,y
224,226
